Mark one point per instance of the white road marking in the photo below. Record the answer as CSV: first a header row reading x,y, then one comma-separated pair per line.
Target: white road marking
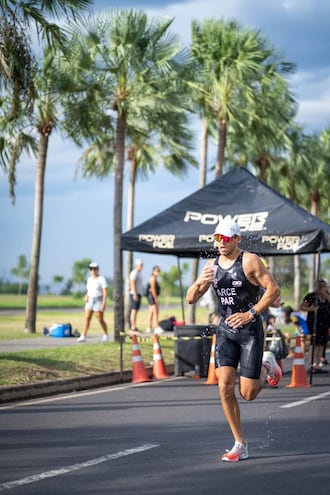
x,y
304,401
74,467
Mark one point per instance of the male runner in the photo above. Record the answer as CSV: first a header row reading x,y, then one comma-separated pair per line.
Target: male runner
x,y
237,276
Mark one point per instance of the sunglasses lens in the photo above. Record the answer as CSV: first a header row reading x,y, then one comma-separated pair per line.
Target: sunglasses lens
x,y
224,238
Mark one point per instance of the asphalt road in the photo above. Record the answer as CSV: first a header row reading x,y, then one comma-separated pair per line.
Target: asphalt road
x,y
166,437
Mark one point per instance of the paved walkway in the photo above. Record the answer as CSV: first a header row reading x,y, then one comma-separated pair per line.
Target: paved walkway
x,y
45,343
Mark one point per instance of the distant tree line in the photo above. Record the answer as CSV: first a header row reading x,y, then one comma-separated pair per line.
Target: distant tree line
x,y
76,285
169,280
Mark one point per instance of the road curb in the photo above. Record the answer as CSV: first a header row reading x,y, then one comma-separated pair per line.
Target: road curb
x,y
43,389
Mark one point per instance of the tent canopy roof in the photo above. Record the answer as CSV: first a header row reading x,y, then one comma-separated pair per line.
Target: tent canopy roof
x,y
270,223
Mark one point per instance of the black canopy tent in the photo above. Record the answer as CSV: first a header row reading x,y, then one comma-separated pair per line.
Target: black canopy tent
x,y
271,224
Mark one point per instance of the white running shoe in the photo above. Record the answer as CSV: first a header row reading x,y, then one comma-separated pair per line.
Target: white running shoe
x,y
149,330
159,330
82,338
274,373
105,338
238,453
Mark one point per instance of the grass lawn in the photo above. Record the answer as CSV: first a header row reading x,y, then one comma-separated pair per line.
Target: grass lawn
x,y
12,301
84,359
17,368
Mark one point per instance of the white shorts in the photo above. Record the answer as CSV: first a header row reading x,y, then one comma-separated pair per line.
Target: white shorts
x,y
94,303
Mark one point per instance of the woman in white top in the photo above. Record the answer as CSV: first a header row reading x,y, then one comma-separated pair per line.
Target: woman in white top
x,y
96,299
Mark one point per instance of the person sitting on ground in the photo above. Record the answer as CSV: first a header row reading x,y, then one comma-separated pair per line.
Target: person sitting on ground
x,y
298,318
168,324
275,340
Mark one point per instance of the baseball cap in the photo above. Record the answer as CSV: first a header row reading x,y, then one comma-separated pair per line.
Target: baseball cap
x,y
138,262
228,228
93,264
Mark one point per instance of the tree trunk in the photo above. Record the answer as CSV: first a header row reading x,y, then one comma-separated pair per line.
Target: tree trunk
x,y
32,295
204,150
263,165
129,226
118,300
202,182
313,257
296,280
221,149
312,272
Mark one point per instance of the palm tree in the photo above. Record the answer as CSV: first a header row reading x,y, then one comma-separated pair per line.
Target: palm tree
x,y
304,173
237,62
202,182
262,136
317,171
289,167
57,279
160,139
200,79
21,271
80,272
17,62
168,142
15,139
45,121
316,179
17,19
237,83
135,64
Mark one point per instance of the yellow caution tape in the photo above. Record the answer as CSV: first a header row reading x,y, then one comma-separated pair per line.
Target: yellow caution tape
x,y
147,337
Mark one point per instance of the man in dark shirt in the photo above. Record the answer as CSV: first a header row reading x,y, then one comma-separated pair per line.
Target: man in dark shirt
x,y
317,306
237,277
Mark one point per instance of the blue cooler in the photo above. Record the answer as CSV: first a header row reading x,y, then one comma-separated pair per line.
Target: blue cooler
x,y
60,330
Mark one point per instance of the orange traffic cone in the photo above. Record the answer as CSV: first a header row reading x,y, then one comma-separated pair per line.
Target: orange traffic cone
x,y
299,376
159,369
139,371
211,377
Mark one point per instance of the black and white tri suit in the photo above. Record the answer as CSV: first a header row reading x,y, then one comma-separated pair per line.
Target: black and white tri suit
x,y
245,345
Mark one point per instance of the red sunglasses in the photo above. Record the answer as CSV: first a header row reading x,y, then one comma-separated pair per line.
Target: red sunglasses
x,y
224,238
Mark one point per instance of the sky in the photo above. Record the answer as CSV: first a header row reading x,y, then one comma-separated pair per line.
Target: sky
x,y
78,213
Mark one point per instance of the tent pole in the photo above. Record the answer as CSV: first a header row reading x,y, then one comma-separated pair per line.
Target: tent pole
x,y
181,288
317,274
